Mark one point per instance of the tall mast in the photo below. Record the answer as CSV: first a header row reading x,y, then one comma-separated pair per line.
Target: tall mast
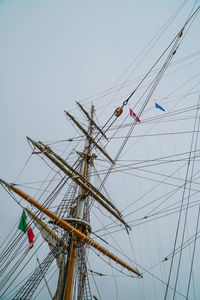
x,y
75,220
79,214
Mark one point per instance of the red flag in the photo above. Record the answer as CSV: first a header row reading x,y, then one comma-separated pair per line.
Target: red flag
x,y
30,235
132,114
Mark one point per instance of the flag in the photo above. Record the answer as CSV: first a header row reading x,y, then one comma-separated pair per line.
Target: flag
x,y
159,107
132,114
30,236
22,225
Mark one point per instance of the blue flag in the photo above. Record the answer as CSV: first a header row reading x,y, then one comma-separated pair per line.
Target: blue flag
x,y
159,107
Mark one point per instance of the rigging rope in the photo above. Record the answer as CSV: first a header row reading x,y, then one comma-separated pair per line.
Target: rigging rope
x,y
194,248
190,182
14,268
178,224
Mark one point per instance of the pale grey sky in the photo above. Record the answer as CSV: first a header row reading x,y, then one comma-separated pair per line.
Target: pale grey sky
x,y
54,53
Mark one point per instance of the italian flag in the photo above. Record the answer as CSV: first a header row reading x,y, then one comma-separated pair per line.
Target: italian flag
x,y
23,227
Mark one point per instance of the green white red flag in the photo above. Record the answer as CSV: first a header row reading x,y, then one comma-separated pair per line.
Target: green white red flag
x,y
23,227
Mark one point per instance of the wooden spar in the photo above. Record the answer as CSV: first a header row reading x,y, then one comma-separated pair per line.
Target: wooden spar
x,y
92,121
89,137
80,183
69,283
81,236
48,149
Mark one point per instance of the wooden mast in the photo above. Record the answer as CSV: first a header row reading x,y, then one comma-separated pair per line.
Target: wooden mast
x,y
80,208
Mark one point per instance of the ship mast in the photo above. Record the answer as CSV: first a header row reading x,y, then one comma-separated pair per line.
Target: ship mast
x,y
76,223
79,215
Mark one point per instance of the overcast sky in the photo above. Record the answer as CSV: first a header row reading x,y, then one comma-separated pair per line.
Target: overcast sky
x,y
54,53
